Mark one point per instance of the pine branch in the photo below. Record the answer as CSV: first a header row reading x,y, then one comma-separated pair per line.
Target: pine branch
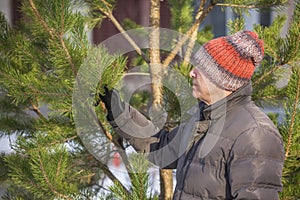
x,y
17,81
51,187
61,141
68,55
23,94
297,42
34,184
50,145
116,143
59,165
266,74
53,94
249,6
106,60
99,123
101,126
39,17
294,112
80,83
36,109
54,35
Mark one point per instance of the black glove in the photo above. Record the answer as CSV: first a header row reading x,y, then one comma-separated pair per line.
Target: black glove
x,y
113,103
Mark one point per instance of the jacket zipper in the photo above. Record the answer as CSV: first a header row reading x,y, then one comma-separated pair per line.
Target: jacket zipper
x,y
189,161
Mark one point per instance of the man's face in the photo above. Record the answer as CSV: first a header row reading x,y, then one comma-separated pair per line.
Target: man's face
x,y
200,86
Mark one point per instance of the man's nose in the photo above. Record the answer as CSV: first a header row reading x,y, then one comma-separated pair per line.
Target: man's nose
x,y
193,73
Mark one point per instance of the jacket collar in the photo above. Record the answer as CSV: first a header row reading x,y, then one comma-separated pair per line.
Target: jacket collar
x,y
219,108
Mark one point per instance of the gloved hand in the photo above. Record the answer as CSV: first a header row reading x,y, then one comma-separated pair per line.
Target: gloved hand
x,y
113,103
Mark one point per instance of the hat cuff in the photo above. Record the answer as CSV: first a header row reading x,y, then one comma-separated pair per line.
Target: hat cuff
x,y
216,73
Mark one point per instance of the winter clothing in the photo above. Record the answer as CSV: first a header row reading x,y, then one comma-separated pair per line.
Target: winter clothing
x,y
228,150
229,61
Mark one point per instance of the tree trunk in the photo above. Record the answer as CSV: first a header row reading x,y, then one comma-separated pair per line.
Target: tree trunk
x,y
154,51
166,184
156,77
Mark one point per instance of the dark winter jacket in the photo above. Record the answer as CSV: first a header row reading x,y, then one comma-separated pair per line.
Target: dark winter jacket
x,y
229,150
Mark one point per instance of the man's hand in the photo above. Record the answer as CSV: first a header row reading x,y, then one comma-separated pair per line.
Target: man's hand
x,y
113,103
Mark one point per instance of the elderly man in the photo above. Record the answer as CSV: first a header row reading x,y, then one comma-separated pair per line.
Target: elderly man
x,y
229,149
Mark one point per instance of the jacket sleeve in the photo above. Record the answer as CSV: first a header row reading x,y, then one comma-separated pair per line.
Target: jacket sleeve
x,y
255,165
146,138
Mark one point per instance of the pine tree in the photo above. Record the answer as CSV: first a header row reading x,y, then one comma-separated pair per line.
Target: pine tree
x,y
40,61
39,64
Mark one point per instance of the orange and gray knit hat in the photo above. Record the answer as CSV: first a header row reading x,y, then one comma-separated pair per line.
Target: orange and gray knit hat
x,y
230,61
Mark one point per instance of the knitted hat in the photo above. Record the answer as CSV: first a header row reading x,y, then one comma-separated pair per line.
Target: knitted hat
x,y
230,61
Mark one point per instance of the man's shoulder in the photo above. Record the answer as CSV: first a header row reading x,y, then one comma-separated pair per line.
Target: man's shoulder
x,y
247,117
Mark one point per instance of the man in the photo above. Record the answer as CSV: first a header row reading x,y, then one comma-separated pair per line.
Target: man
x,y
229,149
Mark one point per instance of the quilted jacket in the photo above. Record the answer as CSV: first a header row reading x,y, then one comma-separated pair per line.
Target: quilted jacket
x,y
228,150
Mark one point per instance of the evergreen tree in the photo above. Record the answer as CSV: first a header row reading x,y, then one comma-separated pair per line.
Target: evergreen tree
x,y
41,58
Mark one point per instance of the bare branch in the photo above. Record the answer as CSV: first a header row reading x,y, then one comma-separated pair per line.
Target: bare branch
x,y
187,35
110,15
121,29
194,34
